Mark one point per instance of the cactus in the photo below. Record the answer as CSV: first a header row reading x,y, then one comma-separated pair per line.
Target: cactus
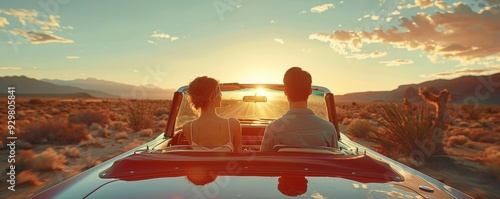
x,y
439,101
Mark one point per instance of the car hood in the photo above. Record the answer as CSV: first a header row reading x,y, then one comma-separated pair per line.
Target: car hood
x,y
252,187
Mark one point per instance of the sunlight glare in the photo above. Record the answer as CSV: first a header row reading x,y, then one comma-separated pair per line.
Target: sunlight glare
x,y
260,92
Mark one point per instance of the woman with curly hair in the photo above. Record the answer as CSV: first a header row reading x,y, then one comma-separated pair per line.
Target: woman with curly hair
x,y
210,131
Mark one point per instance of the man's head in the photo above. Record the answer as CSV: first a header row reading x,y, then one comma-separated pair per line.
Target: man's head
x,y
297,84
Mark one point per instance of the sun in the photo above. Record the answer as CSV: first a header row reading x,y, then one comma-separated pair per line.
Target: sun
x,y
260,92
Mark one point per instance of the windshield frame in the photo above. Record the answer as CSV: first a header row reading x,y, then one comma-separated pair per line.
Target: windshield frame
x,y
180,96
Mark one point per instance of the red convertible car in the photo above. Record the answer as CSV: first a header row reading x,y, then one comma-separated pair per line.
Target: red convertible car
x,y
167,167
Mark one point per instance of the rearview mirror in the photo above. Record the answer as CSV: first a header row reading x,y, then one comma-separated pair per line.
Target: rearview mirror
x,y
254,98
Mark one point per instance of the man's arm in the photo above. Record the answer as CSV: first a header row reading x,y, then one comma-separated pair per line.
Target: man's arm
x,y
267,141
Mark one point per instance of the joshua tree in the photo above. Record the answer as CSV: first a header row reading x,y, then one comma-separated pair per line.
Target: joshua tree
x,y
439,101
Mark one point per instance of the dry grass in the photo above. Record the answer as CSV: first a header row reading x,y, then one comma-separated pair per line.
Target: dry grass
x,y
48,160
54,130
90,162
70,152
146,133
457,140
89,117
121,135
28,177
95,142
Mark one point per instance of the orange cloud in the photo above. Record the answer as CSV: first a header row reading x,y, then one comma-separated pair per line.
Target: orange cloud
x,y
361,56
40,38
397,62
463,71
463,34
423,3
3,21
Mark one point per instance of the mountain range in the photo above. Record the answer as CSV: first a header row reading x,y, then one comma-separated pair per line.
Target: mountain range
x,y
26,86
465,89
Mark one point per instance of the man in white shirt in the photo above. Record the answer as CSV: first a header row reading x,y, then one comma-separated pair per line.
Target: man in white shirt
x,y
299,126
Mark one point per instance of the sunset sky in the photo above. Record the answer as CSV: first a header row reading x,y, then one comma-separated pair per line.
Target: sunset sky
x,y
348,46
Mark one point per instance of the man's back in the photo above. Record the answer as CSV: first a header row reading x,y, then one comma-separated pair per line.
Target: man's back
x,y
299,127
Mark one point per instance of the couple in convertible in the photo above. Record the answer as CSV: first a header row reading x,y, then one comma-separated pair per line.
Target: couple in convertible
x,y
298,127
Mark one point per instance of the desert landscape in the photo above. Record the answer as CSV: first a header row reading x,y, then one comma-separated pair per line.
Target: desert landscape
x,y
59,138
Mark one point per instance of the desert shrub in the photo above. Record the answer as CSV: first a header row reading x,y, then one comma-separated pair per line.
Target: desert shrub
x,y
28,176
163,124
23,159
146,133
403,130
364,115
121,135
161,111
470,112
54,130
342,113
35,101
459,131
346,121
90,162
140,114
89,117
70,152
480,135
457,140
360,128
118,126
491,157
98,131
95,142
48,160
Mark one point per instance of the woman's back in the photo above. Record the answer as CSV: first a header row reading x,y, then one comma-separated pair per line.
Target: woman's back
x,y
208,134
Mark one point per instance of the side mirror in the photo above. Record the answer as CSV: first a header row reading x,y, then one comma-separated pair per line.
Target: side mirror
x,y
254,98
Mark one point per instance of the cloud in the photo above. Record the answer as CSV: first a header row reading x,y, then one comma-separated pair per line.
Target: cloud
x,y
397,62
279,40
322,8
3,21
40,38
72,57
423,3
460,35
37,28
157,35
441,4
374,17
463,71
361,56
10,68
68,27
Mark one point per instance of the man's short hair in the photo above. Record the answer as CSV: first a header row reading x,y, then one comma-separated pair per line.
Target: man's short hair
x,y
297,83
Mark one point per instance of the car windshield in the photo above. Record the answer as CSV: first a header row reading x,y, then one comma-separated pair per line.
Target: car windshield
x,y
253,105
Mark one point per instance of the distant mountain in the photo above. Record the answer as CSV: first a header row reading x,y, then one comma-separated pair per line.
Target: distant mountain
x,y
465,89
118,89
33,87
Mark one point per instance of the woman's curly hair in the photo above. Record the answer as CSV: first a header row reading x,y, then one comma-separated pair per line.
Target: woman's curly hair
x,y
202,90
